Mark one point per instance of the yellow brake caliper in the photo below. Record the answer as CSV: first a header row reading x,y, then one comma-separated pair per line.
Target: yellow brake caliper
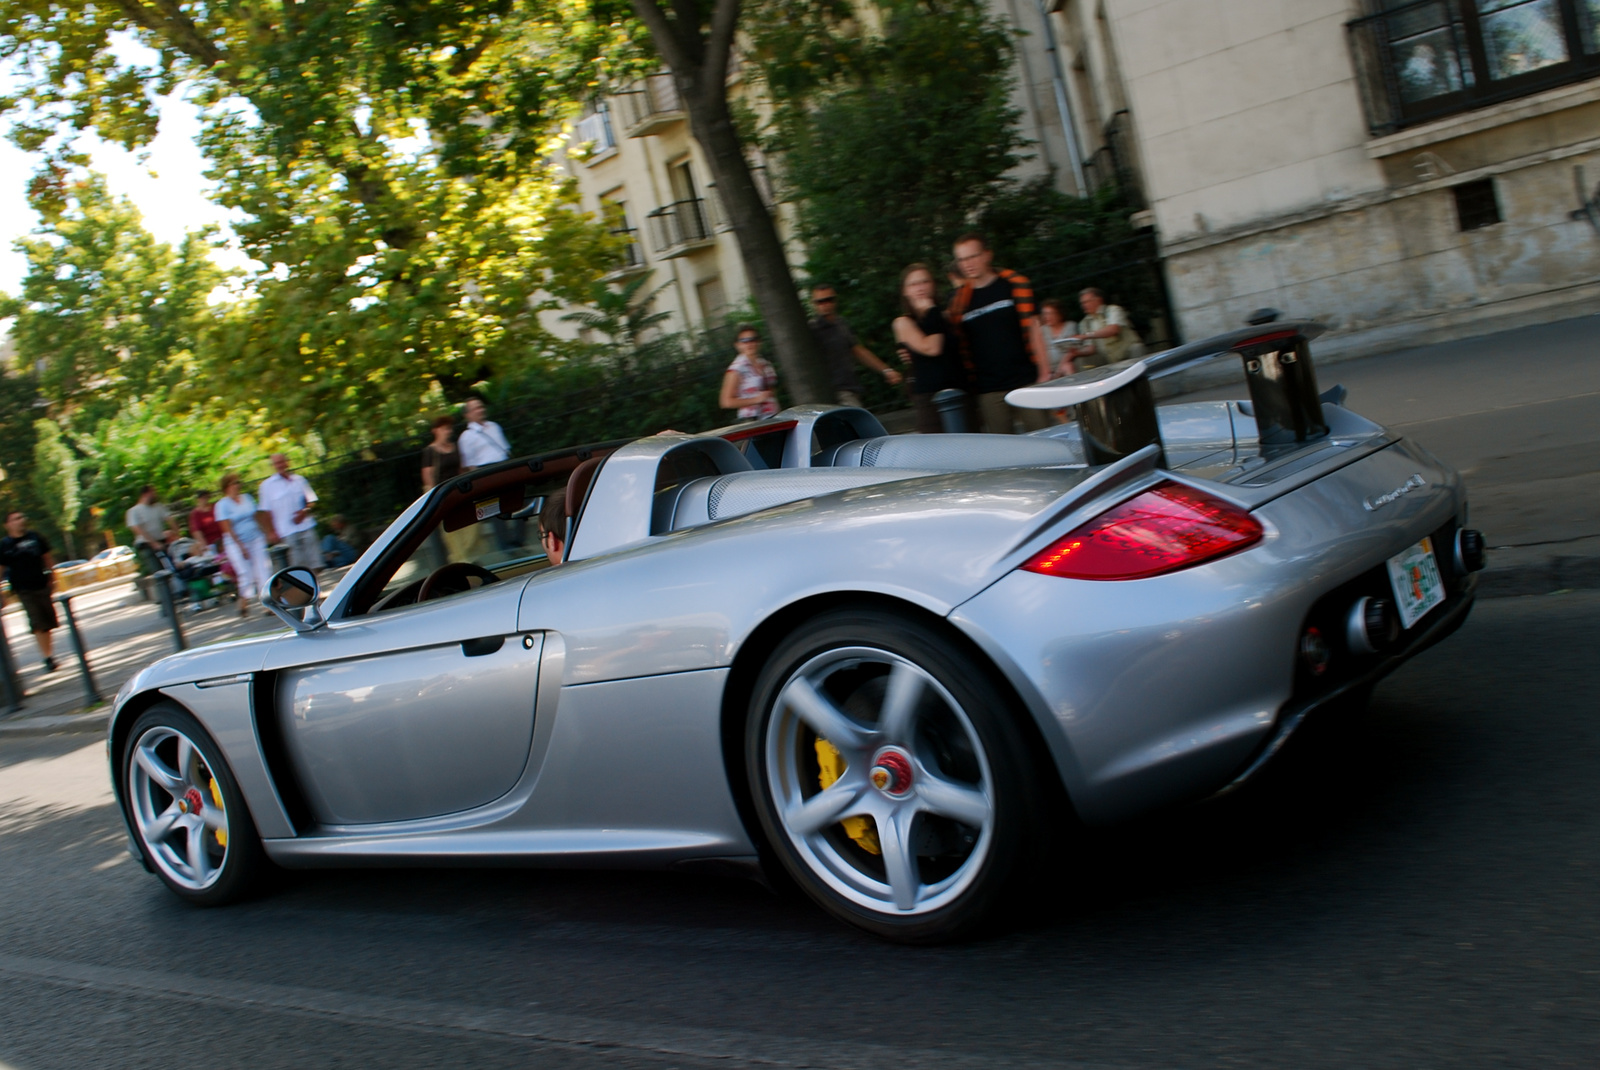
x,y
830,764
216,797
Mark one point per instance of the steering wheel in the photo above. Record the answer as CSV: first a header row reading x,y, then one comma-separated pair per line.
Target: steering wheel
x,y
452,579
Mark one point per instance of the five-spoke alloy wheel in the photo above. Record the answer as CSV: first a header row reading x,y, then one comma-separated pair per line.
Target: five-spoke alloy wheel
x,y
185,809
891,775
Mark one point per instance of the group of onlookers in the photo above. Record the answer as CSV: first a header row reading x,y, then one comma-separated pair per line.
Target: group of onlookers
x,y
986,338
239,527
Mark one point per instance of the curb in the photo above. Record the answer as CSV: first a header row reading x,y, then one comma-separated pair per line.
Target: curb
x,y
74,723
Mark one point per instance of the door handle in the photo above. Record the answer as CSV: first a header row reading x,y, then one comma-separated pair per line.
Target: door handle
x,y
477,648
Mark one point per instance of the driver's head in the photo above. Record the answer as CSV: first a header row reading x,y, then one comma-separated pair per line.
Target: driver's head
x,y
553,525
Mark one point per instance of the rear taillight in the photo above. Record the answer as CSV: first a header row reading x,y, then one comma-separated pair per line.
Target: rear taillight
x,y
1168,527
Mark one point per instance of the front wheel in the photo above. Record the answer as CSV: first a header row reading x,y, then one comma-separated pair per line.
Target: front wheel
x,y
891,775
186,811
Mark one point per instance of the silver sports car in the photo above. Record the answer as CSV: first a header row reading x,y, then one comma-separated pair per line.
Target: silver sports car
x,y
886,668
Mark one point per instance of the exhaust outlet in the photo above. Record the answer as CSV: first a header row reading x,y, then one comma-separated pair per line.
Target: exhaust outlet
x,y
1469,555
1373,626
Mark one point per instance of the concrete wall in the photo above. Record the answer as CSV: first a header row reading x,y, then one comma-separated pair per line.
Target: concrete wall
x,y
1246,108
1267,188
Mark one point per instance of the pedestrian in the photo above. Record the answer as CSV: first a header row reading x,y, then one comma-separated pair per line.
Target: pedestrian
x,y
26,561
243,540
203,527
481,443
1059,335
283,511
750,385
922,331
339,544
152,529
994,313
441,458
1106,330
841,349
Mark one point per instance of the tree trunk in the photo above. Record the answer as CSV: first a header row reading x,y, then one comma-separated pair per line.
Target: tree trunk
x,y
766,267
698,58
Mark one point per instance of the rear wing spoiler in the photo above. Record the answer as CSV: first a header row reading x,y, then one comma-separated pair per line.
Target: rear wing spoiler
x,y
1116,407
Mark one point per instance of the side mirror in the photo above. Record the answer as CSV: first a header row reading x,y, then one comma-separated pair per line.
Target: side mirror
x,y
292,595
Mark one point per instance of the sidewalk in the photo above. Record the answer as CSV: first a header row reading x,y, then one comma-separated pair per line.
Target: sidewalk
x,y
123,634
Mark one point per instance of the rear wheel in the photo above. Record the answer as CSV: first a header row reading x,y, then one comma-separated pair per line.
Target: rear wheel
x,y
186,810
891,776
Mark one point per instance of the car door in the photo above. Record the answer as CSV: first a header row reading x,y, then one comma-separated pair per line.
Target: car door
x,y
410,713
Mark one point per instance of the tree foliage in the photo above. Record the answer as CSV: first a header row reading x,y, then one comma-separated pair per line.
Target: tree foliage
x,y
392,163
55,478
894,126
107,313
179,453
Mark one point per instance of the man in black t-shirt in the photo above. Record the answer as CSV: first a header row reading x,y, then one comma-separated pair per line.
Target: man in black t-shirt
x,y
25,557
841,349
1004,342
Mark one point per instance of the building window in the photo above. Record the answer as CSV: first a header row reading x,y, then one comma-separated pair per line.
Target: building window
x,y
1476,204
615,209
1420,60
594,130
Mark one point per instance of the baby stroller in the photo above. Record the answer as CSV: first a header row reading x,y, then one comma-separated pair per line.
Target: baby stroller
x,y
200,573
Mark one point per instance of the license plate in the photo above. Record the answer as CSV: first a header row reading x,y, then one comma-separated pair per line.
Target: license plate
x,y
1414,575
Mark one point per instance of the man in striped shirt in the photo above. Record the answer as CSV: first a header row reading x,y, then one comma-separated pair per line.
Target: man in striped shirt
x,y
996,320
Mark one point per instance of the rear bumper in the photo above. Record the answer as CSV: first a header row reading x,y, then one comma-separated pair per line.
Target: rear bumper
x,y
1448,617
1156,691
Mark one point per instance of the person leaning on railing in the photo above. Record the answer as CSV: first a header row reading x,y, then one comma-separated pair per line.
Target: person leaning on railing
x,y
1105,334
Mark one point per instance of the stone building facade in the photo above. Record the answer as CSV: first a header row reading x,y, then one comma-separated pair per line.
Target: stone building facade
x,y
1404,172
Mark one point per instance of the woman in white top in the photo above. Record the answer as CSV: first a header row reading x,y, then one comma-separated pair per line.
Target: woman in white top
x,y
750,384
243,541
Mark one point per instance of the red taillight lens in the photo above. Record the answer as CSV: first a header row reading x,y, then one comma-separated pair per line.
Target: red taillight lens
x,y
1168,527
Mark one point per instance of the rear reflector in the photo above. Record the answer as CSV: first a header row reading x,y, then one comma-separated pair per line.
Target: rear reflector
x,y
1168,527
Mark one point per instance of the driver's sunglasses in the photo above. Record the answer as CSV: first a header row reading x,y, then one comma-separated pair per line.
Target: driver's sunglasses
x,y
829,300
749,338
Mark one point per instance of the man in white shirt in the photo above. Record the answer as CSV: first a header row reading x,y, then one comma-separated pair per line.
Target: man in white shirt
x,y
285,502
482,442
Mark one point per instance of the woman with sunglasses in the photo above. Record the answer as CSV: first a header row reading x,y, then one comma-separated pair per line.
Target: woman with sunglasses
x,y
750,384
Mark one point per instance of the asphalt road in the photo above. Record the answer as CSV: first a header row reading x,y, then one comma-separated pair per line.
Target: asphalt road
x,y
1416,888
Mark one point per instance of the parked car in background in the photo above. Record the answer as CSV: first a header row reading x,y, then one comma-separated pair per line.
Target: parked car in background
x,y
115,561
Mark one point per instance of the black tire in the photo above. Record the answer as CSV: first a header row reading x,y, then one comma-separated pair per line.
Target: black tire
x,y
237,862
966,731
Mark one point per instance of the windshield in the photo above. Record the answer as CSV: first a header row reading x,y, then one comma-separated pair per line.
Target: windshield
x,y
488,532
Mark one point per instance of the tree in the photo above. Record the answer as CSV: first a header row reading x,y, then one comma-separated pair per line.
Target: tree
x,y
909,105
107,313
55,477
393,163
696,39
177,452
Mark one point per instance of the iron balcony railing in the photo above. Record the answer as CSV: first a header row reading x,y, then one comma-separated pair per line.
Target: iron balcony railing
x,y
649,105
1426,59
682,227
